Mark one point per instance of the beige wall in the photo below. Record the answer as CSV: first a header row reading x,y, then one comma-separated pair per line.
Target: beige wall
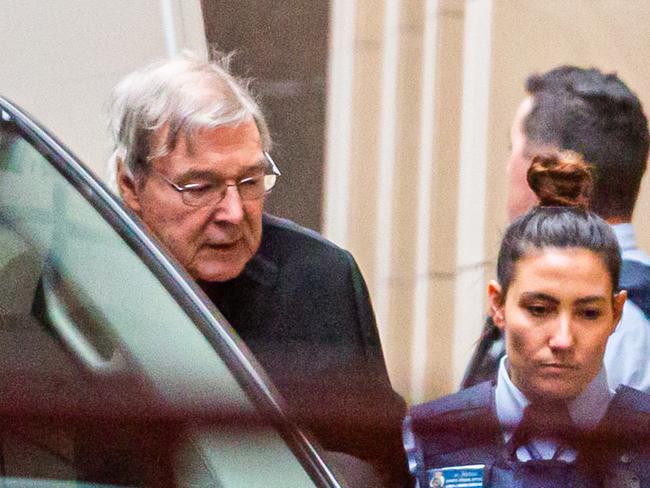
x,y
421,98
392,152
60,58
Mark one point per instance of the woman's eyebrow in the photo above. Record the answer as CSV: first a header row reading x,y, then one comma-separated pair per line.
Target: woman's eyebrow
x,y
590,299
536,295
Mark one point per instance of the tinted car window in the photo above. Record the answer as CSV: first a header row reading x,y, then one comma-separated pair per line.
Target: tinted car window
x,y
108,376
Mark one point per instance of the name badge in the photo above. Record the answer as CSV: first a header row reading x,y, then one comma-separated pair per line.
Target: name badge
x,y
456,476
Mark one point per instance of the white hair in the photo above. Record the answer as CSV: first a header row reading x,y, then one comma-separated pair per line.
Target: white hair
x,y
182,95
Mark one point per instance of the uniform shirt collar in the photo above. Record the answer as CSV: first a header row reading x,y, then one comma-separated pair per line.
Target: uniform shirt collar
x,y
586,411
625,236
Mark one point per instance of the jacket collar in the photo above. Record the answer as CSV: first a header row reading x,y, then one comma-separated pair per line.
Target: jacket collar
x,y
261,270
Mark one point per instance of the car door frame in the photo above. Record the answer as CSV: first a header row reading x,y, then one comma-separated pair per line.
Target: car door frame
x,y
208,320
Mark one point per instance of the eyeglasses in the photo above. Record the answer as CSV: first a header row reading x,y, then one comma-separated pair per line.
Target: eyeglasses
x,y
212,192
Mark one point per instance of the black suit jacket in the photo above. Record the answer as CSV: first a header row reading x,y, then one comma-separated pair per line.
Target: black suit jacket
x,y
303,309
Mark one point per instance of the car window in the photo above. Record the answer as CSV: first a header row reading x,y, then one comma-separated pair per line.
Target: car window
x,y
107,379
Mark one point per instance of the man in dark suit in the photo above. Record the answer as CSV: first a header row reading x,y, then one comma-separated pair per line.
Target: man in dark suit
x,y
192,160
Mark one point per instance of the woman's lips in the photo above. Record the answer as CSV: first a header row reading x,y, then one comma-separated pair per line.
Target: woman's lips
x,y
559,367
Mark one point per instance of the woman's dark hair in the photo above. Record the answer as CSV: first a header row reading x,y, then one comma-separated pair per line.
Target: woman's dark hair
x,y
562,182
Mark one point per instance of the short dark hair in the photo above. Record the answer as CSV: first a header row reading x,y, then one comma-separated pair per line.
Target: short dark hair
x,y
599,117
562,181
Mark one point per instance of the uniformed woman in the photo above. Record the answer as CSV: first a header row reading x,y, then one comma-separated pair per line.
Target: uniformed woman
x,y
550,420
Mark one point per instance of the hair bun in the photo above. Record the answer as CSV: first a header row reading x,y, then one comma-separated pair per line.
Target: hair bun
x,y
560,179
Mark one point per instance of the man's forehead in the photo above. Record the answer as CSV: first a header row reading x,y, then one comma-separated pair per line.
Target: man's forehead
x,y
222,138
228,136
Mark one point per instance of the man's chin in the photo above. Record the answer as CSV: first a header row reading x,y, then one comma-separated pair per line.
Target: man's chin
x,y
218,273
214,265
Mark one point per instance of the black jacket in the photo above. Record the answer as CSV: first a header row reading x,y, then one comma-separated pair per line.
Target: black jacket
x,y
303,309
461,433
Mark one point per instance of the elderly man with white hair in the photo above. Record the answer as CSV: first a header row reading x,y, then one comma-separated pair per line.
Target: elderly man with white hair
x,y
192,160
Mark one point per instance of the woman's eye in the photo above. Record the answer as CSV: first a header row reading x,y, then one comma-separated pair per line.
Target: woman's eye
x,y
591,313
537,310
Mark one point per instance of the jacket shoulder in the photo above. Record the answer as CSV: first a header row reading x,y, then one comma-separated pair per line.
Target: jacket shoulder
x,y
434,414
283,236
635,274
631,399
635,278
456,430
628,418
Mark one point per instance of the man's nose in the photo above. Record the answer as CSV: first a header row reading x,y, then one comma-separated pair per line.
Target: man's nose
x,y
231,207
562,334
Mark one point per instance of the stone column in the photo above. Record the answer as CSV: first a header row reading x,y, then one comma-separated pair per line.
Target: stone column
x,y
388,175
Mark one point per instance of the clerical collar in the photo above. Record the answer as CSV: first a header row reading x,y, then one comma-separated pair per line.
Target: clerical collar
x,y
586,411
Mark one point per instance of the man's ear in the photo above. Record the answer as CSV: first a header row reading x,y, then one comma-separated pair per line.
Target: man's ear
x,y
617,305
128,188
497,302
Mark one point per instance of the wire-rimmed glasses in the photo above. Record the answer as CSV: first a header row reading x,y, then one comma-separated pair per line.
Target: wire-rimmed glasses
x,y
212,192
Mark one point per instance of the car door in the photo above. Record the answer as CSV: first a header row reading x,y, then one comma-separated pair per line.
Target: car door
x,y
116,370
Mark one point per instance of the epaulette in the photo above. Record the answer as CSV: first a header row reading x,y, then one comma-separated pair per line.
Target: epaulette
x,y
632,399
429,415
628,417
455,422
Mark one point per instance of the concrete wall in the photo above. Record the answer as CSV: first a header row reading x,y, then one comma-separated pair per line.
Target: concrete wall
x,y
60,58
392,169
